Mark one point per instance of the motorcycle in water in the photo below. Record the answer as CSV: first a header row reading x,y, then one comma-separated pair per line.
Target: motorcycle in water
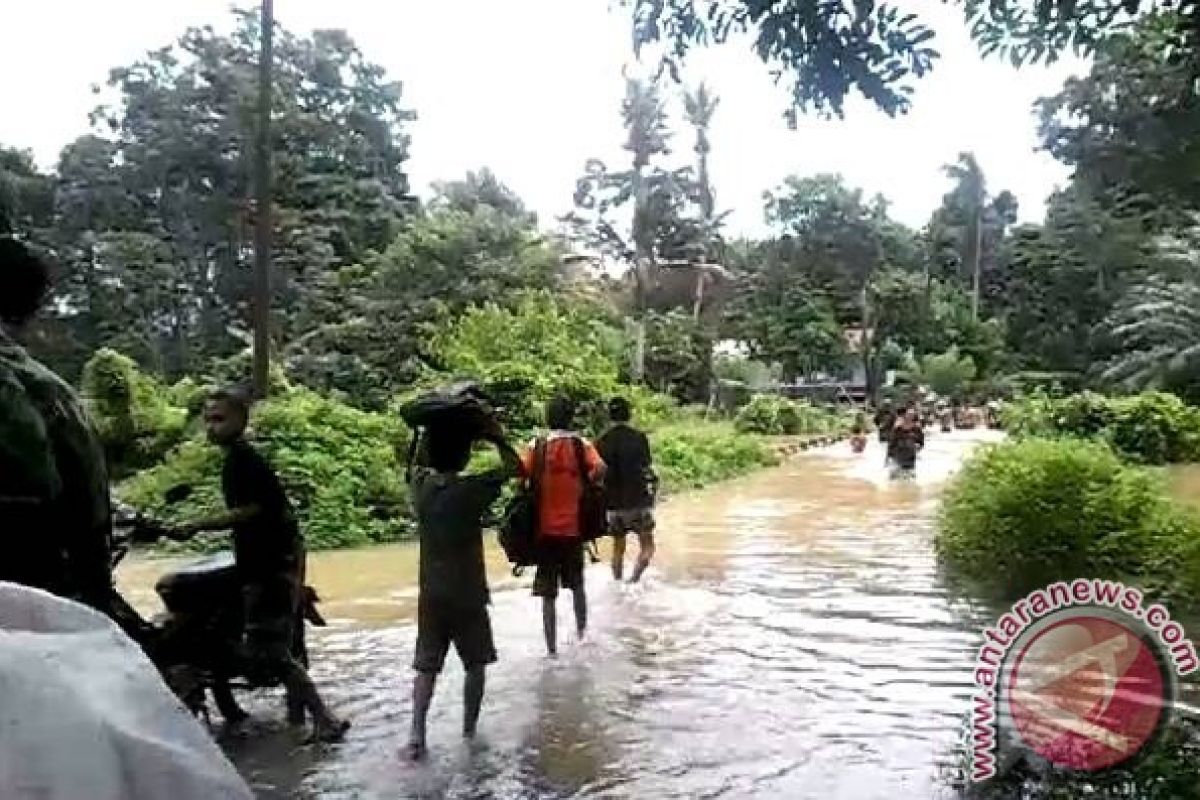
x,y
196,642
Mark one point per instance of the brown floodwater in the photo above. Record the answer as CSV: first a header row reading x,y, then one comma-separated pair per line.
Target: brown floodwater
x,y
794,639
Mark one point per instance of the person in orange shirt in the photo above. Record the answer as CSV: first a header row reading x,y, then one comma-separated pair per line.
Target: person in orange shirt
x,y
561,489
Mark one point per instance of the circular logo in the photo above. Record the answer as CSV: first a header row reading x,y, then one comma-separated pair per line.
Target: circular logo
x,y
1085,689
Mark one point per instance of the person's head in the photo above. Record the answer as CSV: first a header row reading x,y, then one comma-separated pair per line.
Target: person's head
x,y
619,410
226,413
560,413
24,282
910,414
447,449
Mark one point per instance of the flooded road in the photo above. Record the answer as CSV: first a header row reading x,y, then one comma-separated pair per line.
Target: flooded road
x,y
793,640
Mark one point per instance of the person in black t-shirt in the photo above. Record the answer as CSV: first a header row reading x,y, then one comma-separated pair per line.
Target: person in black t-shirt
x,y
269,554
629,487
453,592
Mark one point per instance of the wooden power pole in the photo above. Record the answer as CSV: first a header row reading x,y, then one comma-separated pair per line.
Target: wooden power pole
x,y
262,219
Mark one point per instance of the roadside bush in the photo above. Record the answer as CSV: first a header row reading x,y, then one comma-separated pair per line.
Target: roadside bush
x,y
689,456
1150,428
770,415
338,464
135,416
1155,428
1023,514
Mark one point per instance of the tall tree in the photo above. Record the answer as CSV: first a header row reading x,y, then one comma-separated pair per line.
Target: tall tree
x,y
1131,127
825,50
974,221
173,183
699,107
664,224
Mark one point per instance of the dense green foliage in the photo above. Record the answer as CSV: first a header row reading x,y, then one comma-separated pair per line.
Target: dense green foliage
x,y
1023,514
825,50
136,417
1152,428
778,416
339,465
688,456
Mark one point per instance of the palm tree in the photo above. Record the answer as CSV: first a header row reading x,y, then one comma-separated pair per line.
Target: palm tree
x,y
1157,326
699,107
645,117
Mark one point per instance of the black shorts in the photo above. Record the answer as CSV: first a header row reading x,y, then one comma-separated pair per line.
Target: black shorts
x,y
438,624
560,562
636,520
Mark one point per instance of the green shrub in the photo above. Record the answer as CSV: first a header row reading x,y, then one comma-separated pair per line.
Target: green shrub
x,y
761,415
770,415
338,464
689,456
134,415
1155,428
1023,514
1150,428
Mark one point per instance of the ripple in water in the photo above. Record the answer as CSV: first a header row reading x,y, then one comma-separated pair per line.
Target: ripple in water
x,y
792,641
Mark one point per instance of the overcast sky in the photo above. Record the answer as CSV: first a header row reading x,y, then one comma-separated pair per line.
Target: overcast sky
x,y
532,88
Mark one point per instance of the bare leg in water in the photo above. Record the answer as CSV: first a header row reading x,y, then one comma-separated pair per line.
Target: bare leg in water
x,y
550,625
580,598
422,696
326,727
473,683
645,553
618,556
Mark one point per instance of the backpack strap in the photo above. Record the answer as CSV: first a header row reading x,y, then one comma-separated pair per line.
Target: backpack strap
x,y
537,472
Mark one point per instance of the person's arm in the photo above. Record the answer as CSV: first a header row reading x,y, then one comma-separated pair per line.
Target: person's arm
x,y
511,463
219,521
595,464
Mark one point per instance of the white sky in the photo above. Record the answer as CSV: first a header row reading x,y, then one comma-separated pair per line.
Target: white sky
x,y
532,88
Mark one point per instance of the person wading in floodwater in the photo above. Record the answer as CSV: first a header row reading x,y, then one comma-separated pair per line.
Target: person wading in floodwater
x,y
885,420
560,544
906,440
453,592
269,554
629,488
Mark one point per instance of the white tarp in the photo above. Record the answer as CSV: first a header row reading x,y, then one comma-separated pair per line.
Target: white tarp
x,y
84,715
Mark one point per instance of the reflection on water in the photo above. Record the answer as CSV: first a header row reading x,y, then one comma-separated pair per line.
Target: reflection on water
x,y
793,640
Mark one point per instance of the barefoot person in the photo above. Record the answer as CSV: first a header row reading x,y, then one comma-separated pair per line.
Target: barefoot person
x,y
269,554
628,487
453,595
560,562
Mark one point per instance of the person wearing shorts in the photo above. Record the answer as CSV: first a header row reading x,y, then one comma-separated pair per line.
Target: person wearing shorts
x,y
560,546
453,595
628,487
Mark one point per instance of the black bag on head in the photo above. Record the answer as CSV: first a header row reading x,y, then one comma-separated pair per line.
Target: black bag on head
x,y
519,525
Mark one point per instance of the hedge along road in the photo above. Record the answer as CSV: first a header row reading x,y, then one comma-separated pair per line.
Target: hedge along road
x,y
793,640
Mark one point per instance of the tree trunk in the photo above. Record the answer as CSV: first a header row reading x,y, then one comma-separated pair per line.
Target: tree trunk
x,y
642,258
262,227
977,254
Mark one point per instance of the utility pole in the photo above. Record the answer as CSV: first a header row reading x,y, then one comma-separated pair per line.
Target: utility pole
x,y
977,252
262,219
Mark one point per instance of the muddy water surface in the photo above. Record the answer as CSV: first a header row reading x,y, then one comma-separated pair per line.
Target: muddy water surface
x,y
793,640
